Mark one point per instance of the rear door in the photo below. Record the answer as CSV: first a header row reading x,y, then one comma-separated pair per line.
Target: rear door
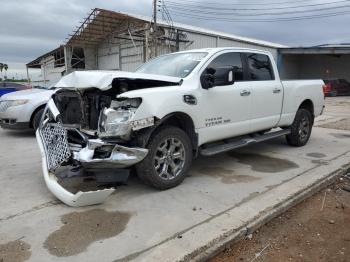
x,y
266,92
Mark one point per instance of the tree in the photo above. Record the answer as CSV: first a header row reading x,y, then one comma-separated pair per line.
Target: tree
x,y
1,68
6,67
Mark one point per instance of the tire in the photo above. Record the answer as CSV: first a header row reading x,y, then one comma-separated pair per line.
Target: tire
x,y
161,169
301,128
36,119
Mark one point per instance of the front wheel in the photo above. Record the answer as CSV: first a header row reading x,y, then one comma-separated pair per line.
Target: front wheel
x,y
37,118
168,159
301,128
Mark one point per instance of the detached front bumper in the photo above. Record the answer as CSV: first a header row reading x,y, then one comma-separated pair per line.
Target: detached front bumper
x,y
57,152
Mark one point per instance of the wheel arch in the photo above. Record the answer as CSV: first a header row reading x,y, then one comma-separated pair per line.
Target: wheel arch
x,y
33,114
178,119
308,105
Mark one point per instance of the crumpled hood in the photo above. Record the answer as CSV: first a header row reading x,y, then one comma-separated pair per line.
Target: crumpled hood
x,y
103,79
28,94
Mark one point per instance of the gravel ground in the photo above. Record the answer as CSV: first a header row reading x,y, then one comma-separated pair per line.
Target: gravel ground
x,y
338,107
315,230
343,124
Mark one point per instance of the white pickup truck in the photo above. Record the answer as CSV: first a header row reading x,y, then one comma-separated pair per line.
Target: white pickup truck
x,y
172,109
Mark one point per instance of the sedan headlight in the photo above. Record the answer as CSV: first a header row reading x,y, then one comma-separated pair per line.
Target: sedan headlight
x,y
18,102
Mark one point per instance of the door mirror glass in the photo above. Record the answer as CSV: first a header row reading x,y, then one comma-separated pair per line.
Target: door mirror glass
x,y
230,76
223,76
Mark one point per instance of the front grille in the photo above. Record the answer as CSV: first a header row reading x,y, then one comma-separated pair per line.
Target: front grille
x,y
55,141
4,105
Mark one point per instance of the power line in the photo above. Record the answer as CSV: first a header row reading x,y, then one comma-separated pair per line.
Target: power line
x,y
176,4
244,3
255,14
198,17
167,17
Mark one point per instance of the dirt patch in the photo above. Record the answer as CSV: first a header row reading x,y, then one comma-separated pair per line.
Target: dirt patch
x,y
315,230
265,164
15,251
343,124
80,229
316,155
227,176
340,135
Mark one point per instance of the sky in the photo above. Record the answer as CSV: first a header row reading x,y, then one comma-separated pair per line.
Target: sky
x,y
30,28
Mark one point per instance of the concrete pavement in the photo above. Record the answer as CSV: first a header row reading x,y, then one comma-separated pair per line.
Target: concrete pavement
x,y
224,197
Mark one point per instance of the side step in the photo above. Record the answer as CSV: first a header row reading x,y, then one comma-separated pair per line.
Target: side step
x,y
227,145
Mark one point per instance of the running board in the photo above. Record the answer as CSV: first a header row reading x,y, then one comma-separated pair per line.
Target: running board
x,y
225,146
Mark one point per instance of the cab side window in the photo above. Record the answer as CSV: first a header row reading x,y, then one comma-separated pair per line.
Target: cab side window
x,y
260,68
226,60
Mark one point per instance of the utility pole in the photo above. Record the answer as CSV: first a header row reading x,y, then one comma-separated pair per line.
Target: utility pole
x,y
155,42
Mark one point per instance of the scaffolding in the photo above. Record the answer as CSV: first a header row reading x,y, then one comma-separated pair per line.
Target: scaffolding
x,y
136,37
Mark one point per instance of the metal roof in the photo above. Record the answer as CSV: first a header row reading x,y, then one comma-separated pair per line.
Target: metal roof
x,y
59,51
100,23
206,31
337,49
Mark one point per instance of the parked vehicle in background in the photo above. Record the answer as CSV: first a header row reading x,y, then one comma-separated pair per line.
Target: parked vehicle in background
x,y
8,87
23,109
171,109
336,87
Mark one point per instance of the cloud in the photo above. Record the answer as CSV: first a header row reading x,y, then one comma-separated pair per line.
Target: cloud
x,y
31,28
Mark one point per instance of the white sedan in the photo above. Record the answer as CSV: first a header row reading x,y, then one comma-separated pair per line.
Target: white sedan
x,y
23,109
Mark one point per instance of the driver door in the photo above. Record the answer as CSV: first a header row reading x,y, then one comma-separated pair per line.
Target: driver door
x,y
226,109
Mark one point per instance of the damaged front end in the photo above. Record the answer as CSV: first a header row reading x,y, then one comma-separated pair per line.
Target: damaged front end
x,y
88,132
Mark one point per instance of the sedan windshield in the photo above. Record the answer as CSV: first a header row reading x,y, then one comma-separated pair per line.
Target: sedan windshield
x,y
177,65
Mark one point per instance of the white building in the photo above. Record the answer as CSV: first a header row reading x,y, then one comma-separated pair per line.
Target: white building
x,y
117,41
111,40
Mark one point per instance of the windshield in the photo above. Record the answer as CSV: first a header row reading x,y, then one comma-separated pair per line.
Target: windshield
x,y
41,87
177,65
50,85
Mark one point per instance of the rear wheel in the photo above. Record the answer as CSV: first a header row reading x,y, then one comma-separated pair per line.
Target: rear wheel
x,y
168,159
37,118
301,128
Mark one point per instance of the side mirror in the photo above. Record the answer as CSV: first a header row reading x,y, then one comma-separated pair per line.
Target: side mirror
x,y
221,76
207,80
225,76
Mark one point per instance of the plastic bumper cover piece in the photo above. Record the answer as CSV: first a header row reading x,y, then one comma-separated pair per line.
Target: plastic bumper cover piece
x,y
78,199
55,152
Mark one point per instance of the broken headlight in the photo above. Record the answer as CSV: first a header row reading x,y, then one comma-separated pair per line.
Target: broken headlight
x,y
115,122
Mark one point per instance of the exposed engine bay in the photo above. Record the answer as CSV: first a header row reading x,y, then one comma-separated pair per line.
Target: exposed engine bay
x,y
88,132
101,113
100,124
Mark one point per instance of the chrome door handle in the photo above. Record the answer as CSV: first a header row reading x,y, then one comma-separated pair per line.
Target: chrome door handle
x,y
245,93
276,91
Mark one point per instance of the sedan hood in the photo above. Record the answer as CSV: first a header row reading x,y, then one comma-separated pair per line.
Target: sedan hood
x,y
103,79
28,94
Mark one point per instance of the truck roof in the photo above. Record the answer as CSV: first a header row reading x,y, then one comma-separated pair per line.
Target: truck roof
x,y
219,49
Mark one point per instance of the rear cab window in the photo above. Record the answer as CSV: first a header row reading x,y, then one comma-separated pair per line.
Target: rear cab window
x,y
259,67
